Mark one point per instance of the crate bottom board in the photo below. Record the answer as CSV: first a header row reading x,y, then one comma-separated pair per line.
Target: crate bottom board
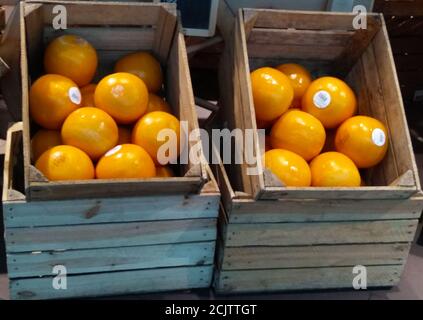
x,y
318,233
38,264
249,211
107,235
256,258
114,283
274,280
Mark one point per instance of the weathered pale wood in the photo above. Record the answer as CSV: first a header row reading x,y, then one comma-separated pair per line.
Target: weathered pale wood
x,y
111,259
274,24
229,93
245,107
181,97
105,252
103,38
308,20
406,179
34,33
250,19
109,235
247,258
382,192
91,211
103,284
25,79
393,104
272,180
249,211
90,14
230,282
312,232
165,32
113,188
358,43
294,52
299,37
145,27
225,20
296,234
36,175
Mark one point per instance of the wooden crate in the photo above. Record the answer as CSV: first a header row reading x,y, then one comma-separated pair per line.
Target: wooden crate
x,y
109,246
114,29
278,239
327,44
309,244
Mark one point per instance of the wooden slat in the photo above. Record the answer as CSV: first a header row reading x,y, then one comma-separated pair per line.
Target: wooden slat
x,y
299,37
90,211
294,51
78,14
229,95
358,43
302,279
113,188
25,79
296,234
109,235
324,210
394,106
244,107
34,33
103,38
309,20
225,20
273,193
103,284
165,32
247,258
181,97
111,259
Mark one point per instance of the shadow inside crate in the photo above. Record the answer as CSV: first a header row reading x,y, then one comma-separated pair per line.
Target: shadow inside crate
x,y
5,120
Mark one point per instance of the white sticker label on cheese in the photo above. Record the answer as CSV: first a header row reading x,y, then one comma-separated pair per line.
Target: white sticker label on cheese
x,y
379,137
322,99
75,95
